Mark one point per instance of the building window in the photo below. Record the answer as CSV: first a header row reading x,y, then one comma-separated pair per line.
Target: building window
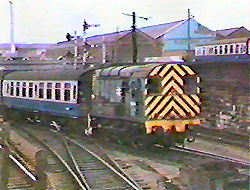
x,y
17,88
12,88
49,90
225,49
231,48
41,86
221,50
58,91
237,48
67,91
215,50
31,89
24,89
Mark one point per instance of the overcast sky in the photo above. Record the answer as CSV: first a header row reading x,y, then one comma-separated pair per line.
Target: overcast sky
x,y
48,21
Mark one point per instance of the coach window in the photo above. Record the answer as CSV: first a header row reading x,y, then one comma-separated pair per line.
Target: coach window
x,y
17,88
24,89
67,91
243,48
231,48
237,48
12,88
74,92
58,91
215,50
221,50
225,49
36,90
211,50
30,89
8,88
49,90
41,87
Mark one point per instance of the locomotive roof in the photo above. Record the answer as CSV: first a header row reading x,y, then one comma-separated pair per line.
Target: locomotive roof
x,y
65,74
126,71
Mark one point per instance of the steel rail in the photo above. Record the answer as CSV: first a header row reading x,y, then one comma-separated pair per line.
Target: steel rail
x,y
76,166
211,155
66,165
61,159
105,163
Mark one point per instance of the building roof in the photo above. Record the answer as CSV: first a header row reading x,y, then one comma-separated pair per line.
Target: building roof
x,y
226,32
26,46
154,31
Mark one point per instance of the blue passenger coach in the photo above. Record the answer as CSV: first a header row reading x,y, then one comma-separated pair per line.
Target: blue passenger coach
x,y
52,92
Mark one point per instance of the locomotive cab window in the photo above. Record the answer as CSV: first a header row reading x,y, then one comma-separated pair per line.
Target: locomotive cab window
x,y
190,84
153,86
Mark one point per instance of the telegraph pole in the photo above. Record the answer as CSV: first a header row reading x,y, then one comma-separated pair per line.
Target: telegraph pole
x,y
85,27
134,39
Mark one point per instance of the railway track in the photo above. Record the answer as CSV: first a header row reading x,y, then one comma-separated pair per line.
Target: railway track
x,y
240,140
14,175
88,169
210,155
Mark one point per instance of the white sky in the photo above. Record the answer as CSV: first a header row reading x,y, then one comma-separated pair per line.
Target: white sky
x,y
48,21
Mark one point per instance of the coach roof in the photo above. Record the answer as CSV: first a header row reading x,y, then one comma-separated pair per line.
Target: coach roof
x,y
66,74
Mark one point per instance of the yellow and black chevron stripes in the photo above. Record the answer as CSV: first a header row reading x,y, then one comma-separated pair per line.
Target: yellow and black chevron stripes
x,y
162,107
172,77
163,70
172,85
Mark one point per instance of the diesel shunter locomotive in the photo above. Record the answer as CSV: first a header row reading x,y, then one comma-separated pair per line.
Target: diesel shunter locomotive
x,y
161,97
